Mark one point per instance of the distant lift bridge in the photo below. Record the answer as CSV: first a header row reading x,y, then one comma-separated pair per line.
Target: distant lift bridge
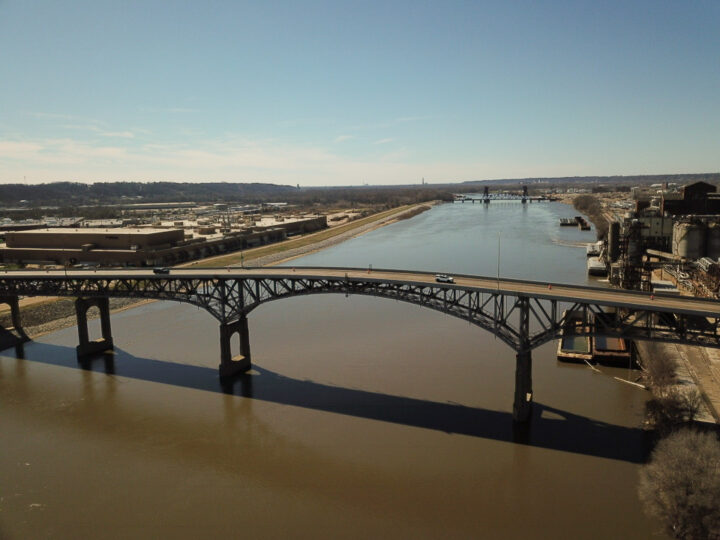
x,y
523,314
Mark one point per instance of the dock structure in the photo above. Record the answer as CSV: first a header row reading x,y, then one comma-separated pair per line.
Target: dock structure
x,y
579,342
577,221
574,343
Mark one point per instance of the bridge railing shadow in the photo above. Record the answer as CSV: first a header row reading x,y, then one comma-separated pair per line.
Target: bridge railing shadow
x,y
549,428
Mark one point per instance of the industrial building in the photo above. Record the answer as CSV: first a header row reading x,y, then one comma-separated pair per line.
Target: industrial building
x,y
676,231
149,246
124,247
90,239
699,198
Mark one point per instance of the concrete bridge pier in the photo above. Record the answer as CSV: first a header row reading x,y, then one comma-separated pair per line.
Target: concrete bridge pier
x,y
522,405
87,347
14,336
234,365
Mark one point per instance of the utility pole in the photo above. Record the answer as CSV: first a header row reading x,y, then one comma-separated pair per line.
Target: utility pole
x,y
498,263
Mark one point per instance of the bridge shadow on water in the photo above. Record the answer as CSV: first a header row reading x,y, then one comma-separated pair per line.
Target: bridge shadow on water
x,y
549,427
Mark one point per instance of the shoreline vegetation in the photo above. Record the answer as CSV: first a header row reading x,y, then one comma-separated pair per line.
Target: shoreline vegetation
x,y
679,486
592,208
46,316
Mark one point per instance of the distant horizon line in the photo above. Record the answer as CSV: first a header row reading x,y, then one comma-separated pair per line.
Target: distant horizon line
x,y
422,182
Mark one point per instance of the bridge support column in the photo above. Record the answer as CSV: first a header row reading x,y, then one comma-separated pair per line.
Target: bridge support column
x,y
234,365
15,335
85,346
522,405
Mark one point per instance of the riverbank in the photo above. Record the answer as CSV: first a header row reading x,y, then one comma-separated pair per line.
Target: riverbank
x,y
43,316
695,368
304,245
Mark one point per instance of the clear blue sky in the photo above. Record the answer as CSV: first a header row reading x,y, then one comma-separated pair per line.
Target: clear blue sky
x,y
346,93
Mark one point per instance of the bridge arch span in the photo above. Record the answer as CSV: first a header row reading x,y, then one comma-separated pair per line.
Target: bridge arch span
x,y
505,332
523,314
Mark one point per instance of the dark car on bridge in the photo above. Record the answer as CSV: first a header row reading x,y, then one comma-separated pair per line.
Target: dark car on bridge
x,y
163,270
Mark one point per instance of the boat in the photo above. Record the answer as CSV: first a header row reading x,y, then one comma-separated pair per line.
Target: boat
x,y
574,346
595,267
571,346
593,250
610,350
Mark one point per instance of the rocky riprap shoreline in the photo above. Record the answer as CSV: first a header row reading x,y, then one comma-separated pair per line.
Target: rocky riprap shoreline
x,y
44,317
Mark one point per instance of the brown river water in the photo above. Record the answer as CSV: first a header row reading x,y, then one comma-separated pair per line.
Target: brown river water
x,y
362,417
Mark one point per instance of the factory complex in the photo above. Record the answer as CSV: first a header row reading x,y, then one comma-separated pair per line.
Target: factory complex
x,y
159,242
670,242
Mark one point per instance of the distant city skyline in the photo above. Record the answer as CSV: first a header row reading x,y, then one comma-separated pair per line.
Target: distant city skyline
x,y
335,93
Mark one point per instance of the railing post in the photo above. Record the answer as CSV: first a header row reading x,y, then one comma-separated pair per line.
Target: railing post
x,y
522,405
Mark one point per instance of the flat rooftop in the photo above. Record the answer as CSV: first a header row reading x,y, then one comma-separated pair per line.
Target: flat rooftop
x,y
95,230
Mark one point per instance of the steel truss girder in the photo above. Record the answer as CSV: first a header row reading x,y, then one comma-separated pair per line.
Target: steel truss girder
x,y
522,322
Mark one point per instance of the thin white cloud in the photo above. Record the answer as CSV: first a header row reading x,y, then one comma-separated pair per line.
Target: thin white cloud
x,y
384,141
100,131
57,152
53,116
171,110
119,134
393,122
84,124
341,138
234,159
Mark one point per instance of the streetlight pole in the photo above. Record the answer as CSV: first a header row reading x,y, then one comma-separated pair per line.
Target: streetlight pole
x,y
498,263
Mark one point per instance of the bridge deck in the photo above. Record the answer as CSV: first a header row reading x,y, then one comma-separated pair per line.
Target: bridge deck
x,y
552,291
512,309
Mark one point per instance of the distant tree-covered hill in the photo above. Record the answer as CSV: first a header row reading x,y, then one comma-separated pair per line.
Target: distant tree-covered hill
x,y
632,179
72,193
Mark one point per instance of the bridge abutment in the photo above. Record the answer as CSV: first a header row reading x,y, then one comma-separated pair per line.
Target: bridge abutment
x,y
234,365
85,346
15,335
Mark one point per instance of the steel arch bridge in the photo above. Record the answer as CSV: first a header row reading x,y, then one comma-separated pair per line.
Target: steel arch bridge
x,y
523,314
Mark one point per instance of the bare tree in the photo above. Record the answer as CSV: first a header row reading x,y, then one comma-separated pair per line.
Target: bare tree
x,y
681,485
660,371
672,408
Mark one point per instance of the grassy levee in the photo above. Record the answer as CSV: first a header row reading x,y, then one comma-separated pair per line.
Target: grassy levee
x,y
249,255
59,312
